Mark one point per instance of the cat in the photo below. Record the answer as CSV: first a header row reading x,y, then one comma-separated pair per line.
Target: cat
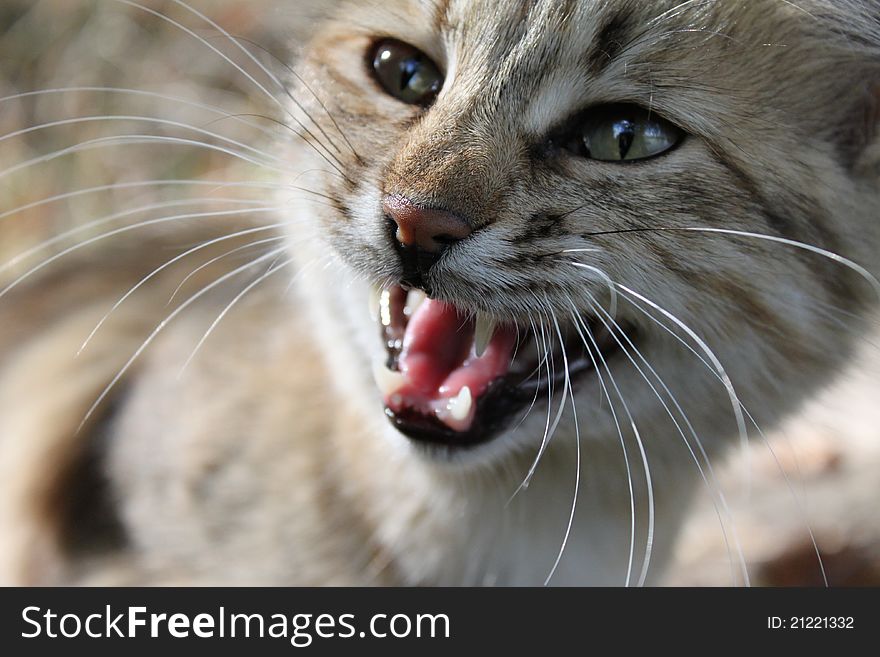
x,y
555,258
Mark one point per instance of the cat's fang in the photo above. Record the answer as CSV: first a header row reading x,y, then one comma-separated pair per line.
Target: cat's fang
x,y
483,332
458,413
387,381
460,406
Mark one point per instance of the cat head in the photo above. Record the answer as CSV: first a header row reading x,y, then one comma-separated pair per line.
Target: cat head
x,y
618,210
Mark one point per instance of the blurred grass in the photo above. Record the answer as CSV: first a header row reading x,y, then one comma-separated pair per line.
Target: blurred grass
x,y
53,44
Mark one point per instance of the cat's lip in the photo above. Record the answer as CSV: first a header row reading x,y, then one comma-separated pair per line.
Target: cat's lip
x,y
456,380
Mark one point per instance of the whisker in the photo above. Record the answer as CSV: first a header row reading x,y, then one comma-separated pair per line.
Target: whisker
x,y
649,539
326,155
605,279
111,118
216,185
308,88
708,479
577,480
128,140
537,370
142,93
578,324
265,70
728,384
846,262
216,259
126,229
106,219
171,262
549,429
116,215
796,498
715,491
274,268
160,327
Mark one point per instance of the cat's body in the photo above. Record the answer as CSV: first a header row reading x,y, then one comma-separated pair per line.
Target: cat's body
x,y
268,459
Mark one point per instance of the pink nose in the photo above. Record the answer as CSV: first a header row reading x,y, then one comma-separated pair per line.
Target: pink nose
x,y
426,229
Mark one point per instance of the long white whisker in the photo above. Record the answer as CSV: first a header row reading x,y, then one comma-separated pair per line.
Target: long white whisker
x,y
537,371
272,270
612,310
265,70
327,154
308,88
846,262
728,384
545,362
149,94
160,327
110,218
577,481
721,503
217,259
550,428
649,539
125,229
578,324
130,140
797,499
117,118
138,184
168,264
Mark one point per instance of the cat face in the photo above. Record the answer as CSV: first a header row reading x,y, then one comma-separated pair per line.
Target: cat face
x,y
620,212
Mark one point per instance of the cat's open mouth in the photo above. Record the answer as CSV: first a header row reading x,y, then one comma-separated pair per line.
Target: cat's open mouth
x,y
454,380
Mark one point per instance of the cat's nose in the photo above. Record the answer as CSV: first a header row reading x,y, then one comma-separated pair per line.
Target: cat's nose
x,y
424,229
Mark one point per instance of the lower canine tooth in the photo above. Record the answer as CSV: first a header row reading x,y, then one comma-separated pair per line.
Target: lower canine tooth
x,y
460,406
483,333
387,381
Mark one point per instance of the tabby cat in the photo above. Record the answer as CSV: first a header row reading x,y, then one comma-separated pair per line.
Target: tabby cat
x,y
554,258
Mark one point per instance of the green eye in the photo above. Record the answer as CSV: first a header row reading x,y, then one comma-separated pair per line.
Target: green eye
x,y
406,73
623,133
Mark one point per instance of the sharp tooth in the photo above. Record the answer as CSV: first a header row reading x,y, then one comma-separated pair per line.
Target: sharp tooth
x,y
414,299
483,333
388,382
375,303
460,407
385,307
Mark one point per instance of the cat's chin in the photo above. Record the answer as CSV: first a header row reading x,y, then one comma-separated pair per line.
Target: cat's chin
x,y
454,380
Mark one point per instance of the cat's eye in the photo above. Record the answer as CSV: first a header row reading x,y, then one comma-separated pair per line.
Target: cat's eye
x,y
405,72
623,133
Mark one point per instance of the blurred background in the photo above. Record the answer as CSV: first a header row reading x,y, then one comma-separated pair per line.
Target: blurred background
x,y
820,472
91,59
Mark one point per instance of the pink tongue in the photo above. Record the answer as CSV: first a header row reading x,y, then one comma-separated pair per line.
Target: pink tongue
x,y
438,361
